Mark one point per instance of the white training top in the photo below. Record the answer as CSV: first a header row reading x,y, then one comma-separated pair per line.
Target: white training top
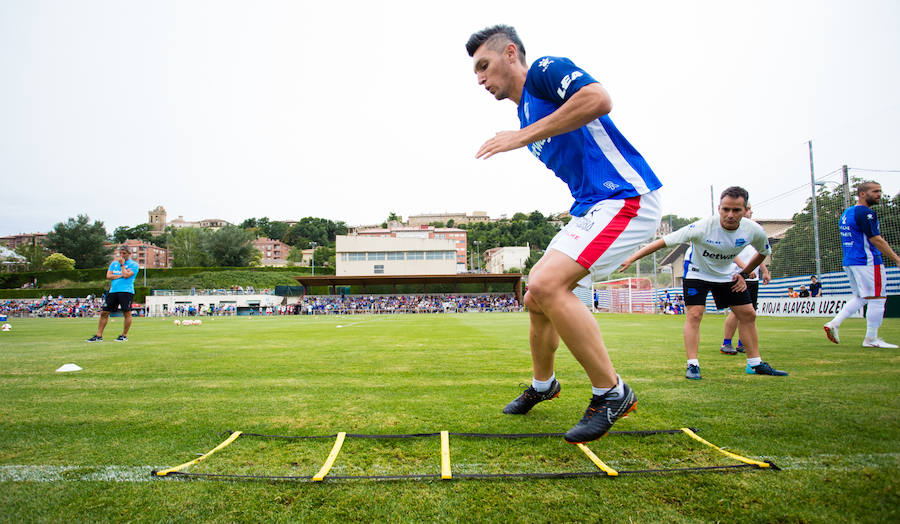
x,y
713,247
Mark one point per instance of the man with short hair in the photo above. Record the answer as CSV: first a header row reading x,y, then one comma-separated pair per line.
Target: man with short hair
x,y
715,241
863,247
563,114
122,272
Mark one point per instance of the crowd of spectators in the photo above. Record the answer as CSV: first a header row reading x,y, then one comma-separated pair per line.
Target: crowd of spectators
x,y
52,307
318,305
221,310
671,305
49,306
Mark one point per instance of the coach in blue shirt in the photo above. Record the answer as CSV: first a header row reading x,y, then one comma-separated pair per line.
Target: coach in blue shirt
x,y
122,272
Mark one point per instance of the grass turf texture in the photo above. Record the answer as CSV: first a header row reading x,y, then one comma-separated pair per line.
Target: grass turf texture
x,y
81,445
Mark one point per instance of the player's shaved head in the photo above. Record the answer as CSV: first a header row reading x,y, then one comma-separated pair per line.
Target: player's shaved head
x,y
496,38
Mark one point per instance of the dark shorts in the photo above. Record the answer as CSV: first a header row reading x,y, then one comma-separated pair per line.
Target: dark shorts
x,y
117,300
753,288
695,292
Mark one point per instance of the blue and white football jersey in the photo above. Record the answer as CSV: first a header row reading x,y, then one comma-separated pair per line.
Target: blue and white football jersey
x,y
858,224
595,161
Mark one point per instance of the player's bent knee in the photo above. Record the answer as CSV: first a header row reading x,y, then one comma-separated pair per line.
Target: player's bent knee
x,y
745,314
531,303
539,289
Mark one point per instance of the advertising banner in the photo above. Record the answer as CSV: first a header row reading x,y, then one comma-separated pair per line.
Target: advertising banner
x,y
827,306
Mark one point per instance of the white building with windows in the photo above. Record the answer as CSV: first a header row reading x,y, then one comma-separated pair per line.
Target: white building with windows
x,y
502,259
371,255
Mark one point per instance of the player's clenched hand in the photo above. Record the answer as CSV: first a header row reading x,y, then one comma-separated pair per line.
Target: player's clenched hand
x,y
502,141
739,283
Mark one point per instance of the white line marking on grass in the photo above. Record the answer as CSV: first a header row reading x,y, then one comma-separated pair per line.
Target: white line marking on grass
x,y
113,473
357,322
36,473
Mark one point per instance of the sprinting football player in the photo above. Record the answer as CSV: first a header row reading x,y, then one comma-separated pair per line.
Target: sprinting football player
x,y
564,122
715,241
122,272
863,248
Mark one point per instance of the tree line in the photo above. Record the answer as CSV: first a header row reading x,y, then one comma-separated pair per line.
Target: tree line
x,y
81,243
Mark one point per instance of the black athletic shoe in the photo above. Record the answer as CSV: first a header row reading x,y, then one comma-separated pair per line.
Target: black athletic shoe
x,y
95,338
601,414
530,397
121,338
764,368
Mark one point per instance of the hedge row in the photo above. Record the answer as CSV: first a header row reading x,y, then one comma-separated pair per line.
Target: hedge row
x,y
140,293
17,280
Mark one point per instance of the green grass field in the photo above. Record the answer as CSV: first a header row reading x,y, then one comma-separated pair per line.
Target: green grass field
x,y
80,446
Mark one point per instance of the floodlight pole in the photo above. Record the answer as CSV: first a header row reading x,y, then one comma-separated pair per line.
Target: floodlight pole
x,y
477,261
313,246
846,183
815,212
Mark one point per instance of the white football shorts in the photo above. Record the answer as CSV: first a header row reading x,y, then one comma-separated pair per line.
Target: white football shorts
x,y
866,281
609,232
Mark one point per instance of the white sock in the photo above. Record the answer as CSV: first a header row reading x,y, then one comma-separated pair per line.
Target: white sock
x,y
874,316
693,361
618,388
755,361
851,307
542,385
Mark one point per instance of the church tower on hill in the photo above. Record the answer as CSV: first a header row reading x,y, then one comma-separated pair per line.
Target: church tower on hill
x,y
157,219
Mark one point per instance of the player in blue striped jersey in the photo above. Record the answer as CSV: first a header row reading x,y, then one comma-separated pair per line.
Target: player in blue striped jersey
x,y
863,247
564,122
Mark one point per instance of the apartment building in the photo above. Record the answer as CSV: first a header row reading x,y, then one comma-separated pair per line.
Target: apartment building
x,y
23,239
148,255
502,259
274,252
395,255
458,236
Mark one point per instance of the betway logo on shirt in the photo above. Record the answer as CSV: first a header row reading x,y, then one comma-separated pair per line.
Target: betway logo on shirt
x,y
717,256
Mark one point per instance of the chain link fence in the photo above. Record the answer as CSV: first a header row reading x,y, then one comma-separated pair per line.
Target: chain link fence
x,y
808,250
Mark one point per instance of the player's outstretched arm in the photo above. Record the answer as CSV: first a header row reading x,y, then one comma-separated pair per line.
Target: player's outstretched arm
x,y
650,248
588,104
881,244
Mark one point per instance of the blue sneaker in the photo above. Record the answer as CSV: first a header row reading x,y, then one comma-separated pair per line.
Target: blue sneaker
x,y
740,348
727,349
693,372
763,368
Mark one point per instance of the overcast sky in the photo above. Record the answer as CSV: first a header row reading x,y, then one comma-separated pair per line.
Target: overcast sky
x,y
351,110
